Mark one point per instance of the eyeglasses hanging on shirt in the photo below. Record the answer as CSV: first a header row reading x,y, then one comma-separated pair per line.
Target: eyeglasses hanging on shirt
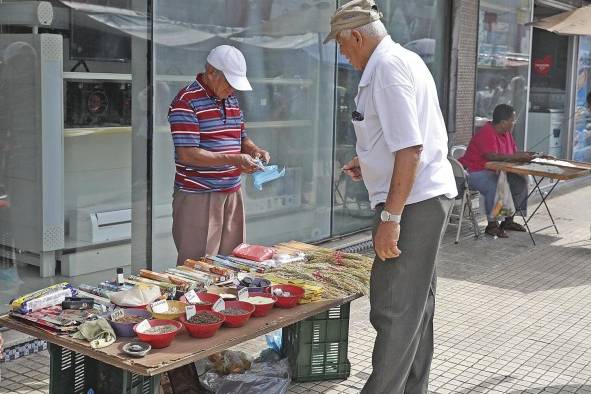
x,y
222,108
357,116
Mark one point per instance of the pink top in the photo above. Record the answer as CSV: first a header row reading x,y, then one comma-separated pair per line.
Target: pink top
x,y
487,140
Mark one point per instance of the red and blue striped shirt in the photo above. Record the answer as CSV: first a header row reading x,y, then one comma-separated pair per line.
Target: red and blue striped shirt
x,y
198,119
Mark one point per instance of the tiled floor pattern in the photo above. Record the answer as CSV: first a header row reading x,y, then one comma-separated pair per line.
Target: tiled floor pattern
x,y
510,317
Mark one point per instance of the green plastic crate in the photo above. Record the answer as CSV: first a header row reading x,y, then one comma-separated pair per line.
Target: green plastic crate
x,y
317,347
74,373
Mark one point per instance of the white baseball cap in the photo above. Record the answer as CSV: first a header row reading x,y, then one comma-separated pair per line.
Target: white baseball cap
x,y
231,62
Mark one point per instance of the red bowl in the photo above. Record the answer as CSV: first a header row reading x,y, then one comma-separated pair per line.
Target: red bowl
x,y
238,320
204,297
197,330
159,341
261,310
296,294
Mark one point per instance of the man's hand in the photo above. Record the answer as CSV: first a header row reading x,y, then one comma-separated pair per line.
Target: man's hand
x,y
524,156
353,169
385,241
263,155
246,163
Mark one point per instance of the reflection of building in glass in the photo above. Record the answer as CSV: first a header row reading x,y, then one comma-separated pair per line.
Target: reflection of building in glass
x,y
582,135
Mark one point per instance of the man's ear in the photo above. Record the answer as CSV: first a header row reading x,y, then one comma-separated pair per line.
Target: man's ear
x,y
357,37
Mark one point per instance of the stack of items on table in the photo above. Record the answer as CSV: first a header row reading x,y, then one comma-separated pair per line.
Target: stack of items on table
x,y
200,295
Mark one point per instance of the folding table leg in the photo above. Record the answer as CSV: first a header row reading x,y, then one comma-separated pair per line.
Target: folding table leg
x,y
525,221
544,198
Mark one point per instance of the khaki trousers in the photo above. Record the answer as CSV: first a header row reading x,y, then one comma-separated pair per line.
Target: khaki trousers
x,y
206,223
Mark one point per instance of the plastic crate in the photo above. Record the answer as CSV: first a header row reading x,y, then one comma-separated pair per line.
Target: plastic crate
x,y
74,373
317,347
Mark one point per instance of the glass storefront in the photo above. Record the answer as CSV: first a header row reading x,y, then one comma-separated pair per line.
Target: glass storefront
x,y
503,60
419,26
289,112
73,138
582,132
86,166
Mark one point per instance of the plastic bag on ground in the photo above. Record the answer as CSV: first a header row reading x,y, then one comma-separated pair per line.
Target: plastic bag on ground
x,y
503,206
274,340
267,375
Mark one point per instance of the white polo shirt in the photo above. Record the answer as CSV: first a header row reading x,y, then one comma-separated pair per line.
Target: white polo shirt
x,y
398,100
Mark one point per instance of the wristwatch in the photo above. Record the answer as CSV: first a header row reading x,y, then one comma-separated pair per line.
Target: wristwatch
x,y
386,216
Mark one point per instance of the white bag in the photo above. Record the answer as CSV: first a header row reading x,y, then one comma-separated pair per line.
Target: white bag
x,y
503,199
139,295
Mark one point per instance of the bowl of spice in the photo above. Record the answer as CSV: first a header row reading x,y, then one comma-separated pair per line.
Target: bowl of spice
x,y
123,325
175,309
288,296
203,324
159,334
237,313
254,285
262,302
206,301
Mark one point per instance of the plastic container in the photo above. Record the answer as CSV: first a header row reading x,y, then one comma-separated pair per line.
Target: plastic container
x,y
259,290
197,330
204,297
261,310
238,320
126,329
178,305
296,294
159,341
75,373
317,347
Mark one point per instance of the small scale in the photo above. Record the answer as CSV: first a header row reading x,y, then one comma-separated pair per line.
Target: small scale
x,y
137,349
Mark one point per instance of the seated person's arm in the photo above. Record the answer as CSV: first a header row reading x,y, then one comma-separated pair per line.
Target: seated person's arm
x,y
517,156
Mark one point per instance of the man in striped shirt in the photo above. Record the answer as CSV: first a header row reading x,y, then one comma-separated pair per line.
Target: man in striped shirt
x,y
211,151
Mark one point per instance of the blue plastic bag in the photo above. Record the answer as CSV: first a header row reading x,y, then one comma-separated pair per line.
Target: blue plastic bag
x,y
267,174
274,340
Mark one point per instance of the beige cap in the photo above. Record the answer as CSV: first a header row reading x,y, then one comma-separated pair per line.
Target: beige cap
x,y
355,13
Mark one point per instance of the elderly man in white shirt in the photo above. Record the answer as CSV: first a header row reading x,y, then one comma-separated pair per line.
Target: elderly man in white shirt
x,y
402,159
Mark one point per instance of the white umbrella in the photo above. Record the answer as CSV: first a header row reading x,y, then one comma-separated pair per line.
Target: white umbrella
x,y
576,22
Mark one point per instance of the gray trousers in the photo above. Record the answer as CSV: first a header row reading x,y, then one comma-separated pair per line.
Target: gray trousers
x,y
402,299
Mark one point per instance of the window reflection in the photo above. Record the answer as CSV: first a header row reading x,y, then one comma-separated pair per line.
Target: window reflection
x,y
289,112
420,26
68,128
582,135
503,60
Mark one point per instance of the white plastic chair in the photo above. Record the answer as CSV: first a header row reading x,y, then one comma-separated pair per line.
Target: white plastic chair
x,y
464,200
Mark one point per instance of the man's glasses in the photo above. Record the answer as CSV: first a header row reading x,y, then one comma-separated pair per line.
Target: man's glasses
x,y
357,116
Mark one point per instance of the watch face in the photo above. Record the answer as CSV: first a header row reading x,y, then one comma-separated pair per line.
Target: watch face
x,y
385,216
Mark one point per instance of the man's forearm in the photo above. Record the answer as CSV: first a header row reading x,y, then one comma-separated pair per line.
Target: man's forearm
x,y
249,147
203,158
403,178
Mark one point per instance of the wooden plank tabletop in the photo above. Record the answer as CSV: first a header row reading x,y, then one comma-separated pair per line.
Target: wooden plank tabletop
x,y
539,169
184,349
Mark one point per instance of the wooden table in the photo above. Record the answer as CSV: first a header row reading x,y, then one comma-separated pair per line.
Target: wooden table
x,y
183,351
558,170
